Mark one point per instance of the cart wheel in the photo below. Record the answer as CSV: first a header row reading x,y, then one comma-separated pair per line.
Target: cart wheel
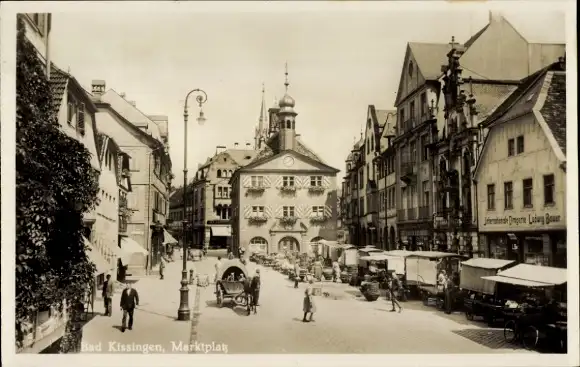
x,y
509,331
530,337
219,298
469,315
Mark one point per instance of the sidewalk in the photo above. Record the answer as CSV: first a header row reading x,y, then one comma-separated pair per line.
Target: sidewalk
x,y
155,328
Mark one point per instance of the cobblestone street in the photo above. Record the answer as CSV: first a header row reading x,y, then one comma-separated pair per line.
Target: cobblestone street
x,y
347,324
344,322
155,319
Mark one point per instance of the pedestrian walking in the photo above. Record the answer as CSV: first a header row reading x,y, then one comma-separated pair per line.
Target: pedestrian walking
x,y
129,300
336,271
108,291
394,288
296,273
308,304
218,266
161,266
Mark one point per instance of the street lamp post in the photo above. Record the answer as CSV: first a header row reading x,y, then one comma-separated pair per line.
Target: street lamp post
x,y
183,313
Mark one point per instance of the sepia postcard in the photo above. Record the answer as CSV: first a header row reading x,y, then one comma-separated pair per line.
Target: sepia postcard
x,y
289,183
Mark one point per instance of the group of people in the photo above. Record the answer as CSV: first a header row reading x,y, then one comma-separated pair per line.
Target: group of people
x,y
129,301
448,285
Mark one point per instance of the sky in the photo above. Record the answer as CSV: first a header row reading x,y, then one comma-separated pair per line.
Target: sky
x,y
338,64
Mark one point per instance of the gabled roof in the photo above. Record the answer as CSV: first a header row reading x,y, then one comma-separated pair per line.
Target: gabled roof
x,y
543,94
474,38
59,80
272,146
429,57
306,158
554,109
516,105
241,156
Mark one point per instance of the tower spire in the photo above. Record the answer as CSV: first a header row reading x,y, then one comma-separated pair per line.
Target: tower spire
x,y
260,130
286,83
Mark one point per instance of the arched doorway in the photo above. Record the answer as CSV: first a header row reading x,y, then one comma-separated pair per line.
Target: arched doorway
x,y
258,244
317,248
289,244
392,244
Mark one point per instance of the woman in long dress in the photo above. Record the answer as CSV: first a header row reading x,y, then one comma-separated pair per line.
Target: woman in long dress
x,y
317,267
308,305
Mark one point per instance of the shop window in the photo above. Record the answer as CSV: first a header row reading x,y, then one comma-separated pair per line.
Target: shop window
x,y
508,195
534,251
549,189
528,187
491,197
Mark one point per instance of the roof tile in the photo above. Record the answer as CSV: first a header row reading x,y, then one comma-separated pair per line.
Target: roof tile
x,y
554,109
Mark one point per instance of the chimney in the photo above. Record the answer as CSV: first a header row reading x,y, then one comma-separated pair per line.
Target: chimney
x,y
98,87
133,103
236,145
220,149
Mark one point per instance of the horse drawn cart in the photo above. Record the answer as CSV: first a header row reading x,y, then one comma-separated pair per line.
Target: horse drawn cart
x,y
230,284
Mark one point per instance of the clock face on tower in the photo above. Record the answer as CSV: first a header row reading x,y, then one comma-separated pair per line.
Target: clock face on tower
x,y
288,161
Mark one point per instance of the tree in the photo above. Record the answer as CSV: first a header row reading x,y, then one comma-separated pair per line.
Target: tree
x,y
55,185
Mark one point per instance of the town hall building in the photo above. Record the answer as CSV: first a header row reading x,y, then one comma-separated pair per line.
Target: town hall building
x,y
285,199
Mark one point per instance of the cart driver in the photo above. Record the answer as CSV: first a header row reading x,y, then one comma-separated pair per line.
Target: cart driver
x,y
442,280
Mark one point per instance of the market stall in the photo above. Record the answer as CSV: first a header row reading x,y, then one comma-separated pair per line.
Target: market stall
x,y
479,294
536,304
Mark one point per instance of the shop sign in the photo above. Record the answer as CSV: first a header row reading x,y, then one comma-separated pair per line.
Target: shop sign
x,y
529,220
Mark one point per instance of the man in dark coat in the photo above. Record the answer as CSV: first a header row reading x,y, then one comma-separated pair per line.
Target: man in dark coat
x,y
256,290
108,291
129,300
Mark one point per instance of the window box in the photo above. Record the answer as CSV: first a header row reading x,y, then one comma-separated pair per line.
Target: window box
x,y
318,218
256,188
316,189
288,220
257,219
288,189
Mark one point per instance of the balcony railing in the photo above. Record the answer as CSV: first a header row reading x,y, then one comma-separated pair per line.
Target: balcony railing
x,y
424,212
412,214
401,215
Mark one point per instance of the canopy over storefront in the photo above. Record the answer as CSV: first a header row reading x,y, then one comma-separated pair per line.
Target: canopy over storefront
x,y
169,240
131,246
221,231
531,276
96,258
